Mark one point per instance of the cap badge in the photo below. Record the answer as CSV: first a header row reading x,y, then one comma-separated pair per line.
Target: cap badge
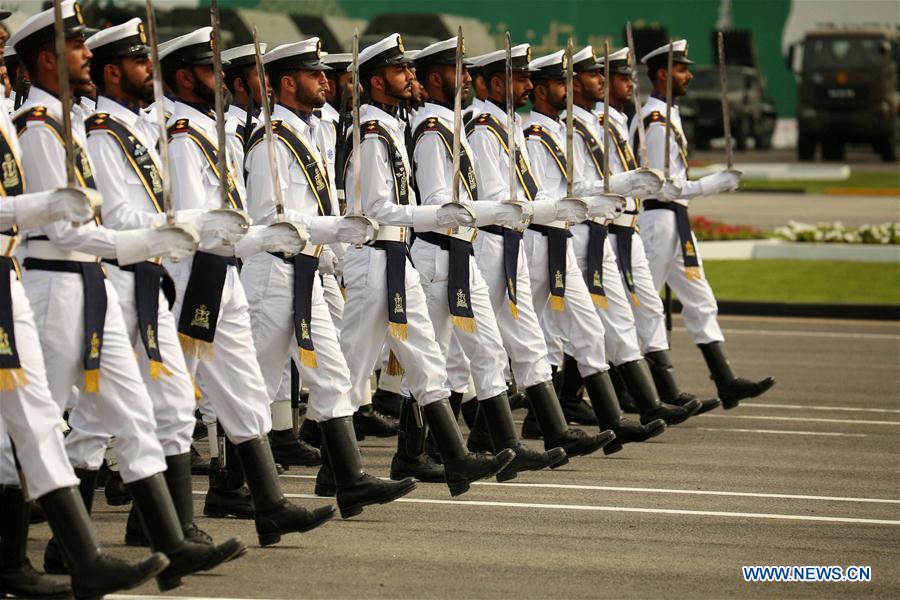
x,y
78,16
400,44
141,33
528,54
318,49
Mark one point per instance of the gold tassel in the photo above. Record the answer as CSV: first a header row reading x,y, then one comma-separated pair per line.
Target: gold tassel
x,y
514,310
91,381
600,301
308,358
399,331
11,379
343,292
158,369
467,324
196,348
394,368
693,273
557,303
634,299
198,395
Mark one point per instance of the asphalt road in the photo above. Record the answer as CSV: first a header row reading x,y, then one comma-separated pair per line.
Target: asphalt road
x,y
809,474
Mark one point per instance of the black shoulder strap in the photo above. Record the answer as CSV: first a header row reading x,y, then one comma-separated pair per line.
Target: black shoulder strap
x,y
626,156
595,150
523,170
38,114
136,154
467,171
209,152
535,131
398,168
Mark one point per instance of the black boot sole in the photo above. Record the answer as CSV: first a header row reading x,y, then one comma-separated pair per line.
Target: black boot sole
x,y
158,568
765,385
708,405
556,457
357,508
268,539
220,513
136,540
231,550
459,487
603,439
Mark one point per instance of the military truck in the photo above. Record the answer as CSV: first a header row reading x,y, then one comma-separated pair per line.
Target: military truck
x,y
848,91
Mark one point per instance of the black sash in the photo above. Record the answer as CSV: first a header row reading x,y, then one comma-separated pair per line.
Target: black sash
x,y
511,242
624,239
83,172
202,302
209,152
459,295
594,275
12,182
12,375
556,238
523,171
94,289
396,251
305,268
683,224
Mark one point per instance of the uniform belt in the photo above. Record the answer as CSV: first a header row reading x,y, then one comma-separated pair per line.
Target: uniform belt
x,y
617,229
115,263
441,240
651,204
544,230
498,230
9,243
47,250
392,233
313,250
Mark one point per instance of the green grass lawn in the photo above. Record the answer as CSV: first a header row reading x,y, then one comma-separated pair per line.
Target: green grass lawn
x,y
811,281
877,180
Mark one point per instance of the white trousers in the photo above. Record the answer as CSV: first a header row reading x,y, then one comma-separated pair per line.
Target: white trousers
x,y
621,337
649,316
483,347
29,416
699,308
269,282
577,324
522,338
365,329
231,379
122,406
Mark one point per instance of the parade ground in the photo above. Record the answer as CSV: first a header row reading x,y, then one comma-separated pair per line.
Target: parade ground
x,y
809,474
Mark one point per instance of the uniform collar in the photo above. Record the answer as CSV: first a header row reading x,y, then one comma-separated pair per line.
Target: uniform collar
x,y
616,116
545,121
236,111
433,108
373,111
492,108
115,109
293,120
583,114
183,110
329,113
40,97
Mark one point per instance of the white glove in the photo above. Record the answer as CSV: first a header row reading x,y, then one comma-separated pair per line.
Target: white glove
x,y
606,206
455,214
288,238
574,210
166,241
223,226
543,211
355,230
670,191
637,183
723,181
505,214
327,262
72,204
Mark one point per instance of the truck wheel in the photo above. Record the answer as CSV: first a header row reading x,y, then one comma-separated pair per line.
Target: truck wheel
x,y
833,150
806,147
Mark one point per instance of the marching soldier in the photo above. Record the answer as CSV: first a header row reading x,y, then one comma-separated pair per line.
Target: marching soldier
x,y
500,256
288,310
213,315
63,277
670,245
121,144
385,301
561,296
626,275
456,294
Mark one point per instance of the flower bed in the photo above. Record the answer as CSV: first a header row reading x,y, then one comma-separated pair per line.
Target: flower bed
x,y
836,233
707,230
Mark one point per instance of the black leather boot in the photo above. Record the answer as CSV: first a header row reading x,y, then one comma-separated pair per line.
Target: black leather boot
x,y
114,490
626,401
387,403
731,388
17,577
54,561
461,467
198,465
309,433
554,428
570,394
227,495
663,372
479,439
290,451
531,430
368,421
355,488
94,574
325,484
603,398
163,528
275,516
502,432
410,460
637,376
469,410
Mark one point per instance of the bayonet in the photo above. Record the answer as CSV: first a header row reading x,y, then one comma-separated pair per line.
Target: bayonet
x,y
357,173
65,92
457,117
726,109
570,121
222,152
269,131
638,110
159,101
510,120
667,159
606,86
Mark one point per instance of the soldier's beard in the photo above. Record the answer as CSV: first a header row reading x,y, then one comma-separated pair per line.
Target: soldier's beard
x,y
206,93
142,92
304,98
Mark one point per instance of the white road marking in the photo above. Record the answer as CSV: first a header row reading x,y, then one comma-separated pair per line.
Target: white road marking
x,y
608,488
812,334
751,404
805,419
629,509
784,432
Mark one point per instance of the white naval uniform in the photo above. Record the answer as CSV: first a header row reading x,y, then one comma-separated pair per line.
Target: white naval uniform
x,y
128,206
523,337
365,325
660,235
483,346
269,280
621,338
29,417
578,325
231,377
122,406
